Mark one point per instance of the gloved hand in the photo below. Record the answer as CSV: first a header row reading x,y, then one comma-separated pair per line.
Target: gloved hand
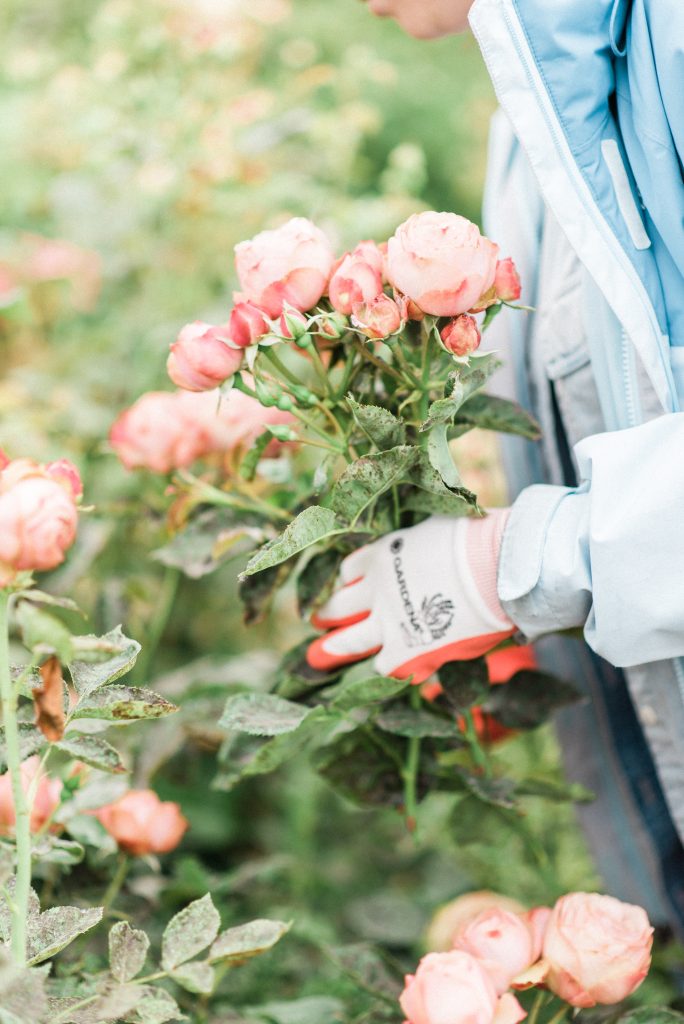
x,y
416,599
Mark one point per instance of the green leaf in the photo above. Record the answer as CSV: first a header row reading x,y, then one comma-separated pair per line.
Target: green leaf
x,y
311,526
489,412
307,1010
496,792
364,965
51,600
651,1015
23,992
189,932
158,1007
426,477
361,692
88,831
258,592
465,684
49,849
262,714
316,581
296,677
404,721
554,789
378,424
92,750
195,977
31,740
247,940
50,932
366,479
127,951
42,632
443,410
441,458
365,772
528,699
207,541
123,704
447,504
250,461
88,676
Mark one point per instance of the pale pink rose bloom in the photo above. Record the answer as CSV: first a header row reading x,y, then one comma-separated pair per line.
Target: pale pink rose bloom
x,y
200,357
234,420
142,823
598,949
502,942
55,259
38,520
461,336
441,261
246,324
289,265
455,915
538,918
45,803
66,474
453,988
379,317
357,277
507,281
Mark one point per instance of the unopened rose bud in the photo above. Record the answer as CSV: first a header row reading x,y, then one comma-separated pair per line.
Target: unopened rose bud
x,y
507,281
378,318
292,325
461,336
267,393
200,359
333,325
246,325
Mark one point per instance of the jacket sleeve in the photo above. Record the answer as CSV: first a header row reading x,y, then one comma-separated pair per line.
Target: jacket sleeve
x,y
608,555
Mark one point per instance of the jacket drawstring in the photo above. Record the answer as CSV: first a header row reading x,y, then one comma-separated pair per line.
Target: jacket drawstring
x,y
617,26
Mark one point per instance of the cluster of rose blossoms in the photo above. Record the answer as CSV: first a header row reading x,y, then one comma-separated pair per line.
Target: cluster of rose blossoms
x,y
435,263
38,514
588,949
139,821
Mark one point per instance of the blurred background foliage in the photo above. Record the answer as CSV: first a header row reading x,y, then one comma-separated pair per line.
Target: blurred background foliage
x,y
138,143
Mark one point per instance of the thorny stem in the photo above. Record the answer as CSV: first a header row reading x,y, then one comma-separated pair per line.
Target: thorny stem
x,y
410,772
8,698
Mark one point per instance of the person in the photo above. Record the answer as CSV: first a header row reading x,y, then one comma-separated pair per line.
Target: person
x,y
585,190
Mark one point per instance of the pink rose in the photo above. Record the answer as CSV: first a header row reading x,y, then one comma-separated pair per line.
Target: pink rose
x,y
378,318
507,281
289,265
441,261
502,942
356,278
246,325
237,421
38,519
598,949
142,823
45,802
461,336
200,357
66,474
453,988
455,915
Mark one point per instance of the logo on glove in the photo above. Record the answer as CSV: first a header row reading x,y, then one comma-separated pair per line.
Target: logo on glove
x,y
436,613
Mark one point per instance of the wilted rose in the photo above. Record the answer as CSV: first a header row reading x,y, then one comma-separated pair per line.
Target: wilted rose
x,y
453,988
504,942
289,265
201,358
598,949
142,823
356,278
378,318
45,802
38,520
246,324
507,281
461,336
441,262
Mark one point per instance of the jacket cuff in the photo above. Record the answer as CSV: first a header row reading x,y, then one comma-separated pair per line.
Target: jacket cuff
x,y
544,579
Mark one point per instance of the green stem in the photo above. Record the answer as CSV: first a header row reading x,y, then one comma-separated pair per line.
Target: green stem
x,y
558,1017
215,496
380,363
283,370
411,378
476,749
541,999
410,772
22,828
117,881
308,422
160,619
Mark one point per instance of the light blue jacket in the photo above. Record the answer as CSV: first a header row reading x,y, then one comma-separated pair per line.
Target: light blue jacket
x,y
594,91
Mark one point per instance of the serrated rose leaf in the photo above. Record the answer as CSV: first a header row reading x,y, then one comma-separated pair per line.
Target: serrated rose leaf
x,y
92,750
122,704
30,742
366,479
127,951
311,526
56,928
262,714
158,1008
247,940
90,676
378,424
195,977
55,850
402,721
189,932
440,456
361,692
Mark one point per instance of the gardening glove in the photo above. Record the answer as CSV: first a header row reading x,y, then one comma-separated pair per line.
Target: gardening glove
x,y
416,599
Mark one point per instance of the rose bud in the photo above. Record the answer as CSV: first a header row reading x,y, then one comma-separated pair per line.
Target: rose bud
x,y
503,942
200,359
441,262
598,949
289,265
356,279
292,325
45,802
65,473
507,281
461,336
246,325
142,823
333,325
38,520
453,988
378,318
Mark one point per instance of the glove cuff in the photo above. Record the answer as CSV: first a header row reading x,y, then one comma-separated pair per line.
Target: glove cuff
x,y
483,544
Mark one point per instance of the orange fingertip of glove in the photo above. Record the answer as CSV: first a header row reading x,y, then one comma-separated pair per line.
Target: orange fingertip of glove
x,y
321,660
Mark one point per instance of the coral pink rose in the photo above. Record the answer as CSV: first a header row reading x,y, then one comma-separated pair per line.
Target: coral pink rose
x,y
38,519
378,318
598,949
200,357
142,823
507,281
461,336
66,474
45,802
441,261
289,265
503,942
246,324
356,278
453,988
